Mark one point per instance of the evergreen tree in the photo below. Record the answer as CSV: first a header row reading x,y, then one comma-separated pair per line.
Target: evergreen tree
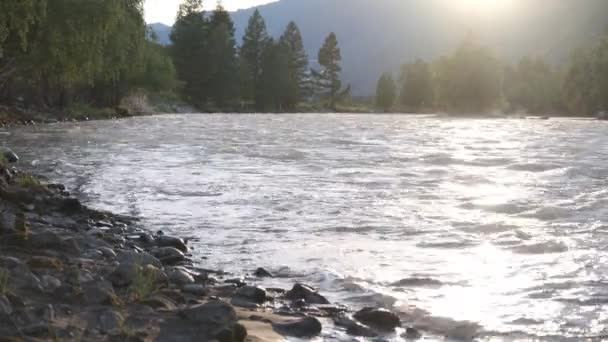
x,y
189,50
273,88
386,92
328,78
223,65
252,50
417,88
469,80
299,84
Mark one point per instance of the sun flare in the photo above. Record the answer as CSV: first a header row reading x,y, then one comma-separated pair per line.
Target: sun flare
x,y
484,6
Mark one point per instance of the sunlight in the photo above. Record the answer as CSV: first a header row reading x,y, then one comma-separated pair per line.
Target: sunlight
x,y
484,6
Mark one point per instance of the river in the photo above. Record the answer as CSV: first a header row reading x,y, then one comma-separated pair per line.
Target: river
x,y
502,223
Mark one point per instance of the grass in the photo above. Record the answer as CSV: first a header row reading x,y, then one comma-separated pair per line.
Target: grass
x,y
145,283
4,282
3,161
28,181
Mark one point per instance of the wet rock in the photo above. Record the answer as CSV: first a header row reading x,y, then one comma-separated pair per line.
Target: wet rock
x,y
411,334
243,303
379,319
262,273
215,314
43,262
9,155
168,255
6,308
10,262
238,333
46,240
302,328
300,291
254,294
225,290
353,327
239,282
171,241
70,206
179,276
108,253
159,302
195,289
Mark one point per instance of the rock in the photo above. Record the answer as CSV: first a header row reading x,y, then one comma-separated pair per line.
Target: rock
x,y
6,308
411,334
46,240
302,328
70,205
159,302
10,262
254,294
300,291
43,262
99,293
239,282
9,155
105,320
126,273
171,241
179,276
243,303
353,327
141,259
49,283
262,273
215,314
225,290
238,333
379,319
168,255
108,253
195,289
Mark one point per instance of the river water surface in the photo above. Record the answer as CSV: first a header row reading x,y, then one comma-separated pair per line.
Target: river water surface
x,y
501,223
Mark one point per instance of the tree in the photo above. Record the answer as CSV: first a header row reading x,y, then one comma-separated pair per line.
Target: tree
x,y
386,92
275,80
251,58
469,80
417,87
532,86
189,50
223,65
299,77
329,76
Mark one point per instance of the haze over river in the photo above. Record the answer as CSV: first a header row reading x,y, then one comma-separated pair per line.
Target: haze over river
x,y
499,222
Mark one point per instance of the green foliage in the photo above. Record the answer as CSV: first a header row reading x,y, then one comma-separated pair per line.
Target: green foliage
x,y
297,66
252,55
275,82
417,87
386,92
145,283
329,76
469,81
27,180
4,281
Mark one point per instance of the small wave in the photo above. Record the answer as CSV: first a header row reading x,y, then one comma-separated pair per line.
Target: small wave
x,y
548,247
374,299
448,327
533,167
549,213
417,282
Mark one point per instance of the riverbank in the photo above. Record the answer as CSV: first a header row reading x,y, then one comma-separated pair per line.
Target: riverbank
x,y
68,272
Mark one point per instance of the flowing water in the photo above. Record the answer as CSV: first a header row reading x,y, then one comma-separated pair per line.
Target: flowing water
x,y
502,223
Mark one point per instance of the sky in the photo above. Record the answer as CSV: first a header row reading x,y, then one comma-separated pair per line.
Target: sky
x,y
164,11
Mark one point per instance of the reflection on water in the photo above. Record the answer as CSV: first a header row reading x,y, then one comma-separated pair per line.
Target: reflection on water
x,y
499,222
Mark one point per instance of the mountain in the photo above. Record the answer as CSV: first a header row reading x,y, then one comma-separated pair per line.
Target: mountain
x,y
162,32
379,35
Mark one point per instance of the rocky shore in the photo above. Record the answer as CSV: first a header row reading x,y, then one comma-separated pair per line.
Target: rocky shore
x,y
70,273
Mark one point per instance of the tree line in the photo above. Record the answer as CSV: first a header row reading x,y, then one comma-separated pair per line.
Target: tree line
x,y
473,80
263,73
57,52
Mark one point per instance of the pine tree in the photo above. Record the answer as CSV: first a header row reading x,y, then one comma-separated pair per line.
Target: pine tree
x,y
223,66
273,89
386,92
189,50
417,88
251,58
299,86
329,76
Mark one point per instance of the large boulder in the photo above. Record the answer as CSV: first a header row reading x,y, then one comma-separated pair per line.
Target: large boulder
x,y
179,276
168,255
254,294
378,319
9,155
215,315
307,293
303,328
